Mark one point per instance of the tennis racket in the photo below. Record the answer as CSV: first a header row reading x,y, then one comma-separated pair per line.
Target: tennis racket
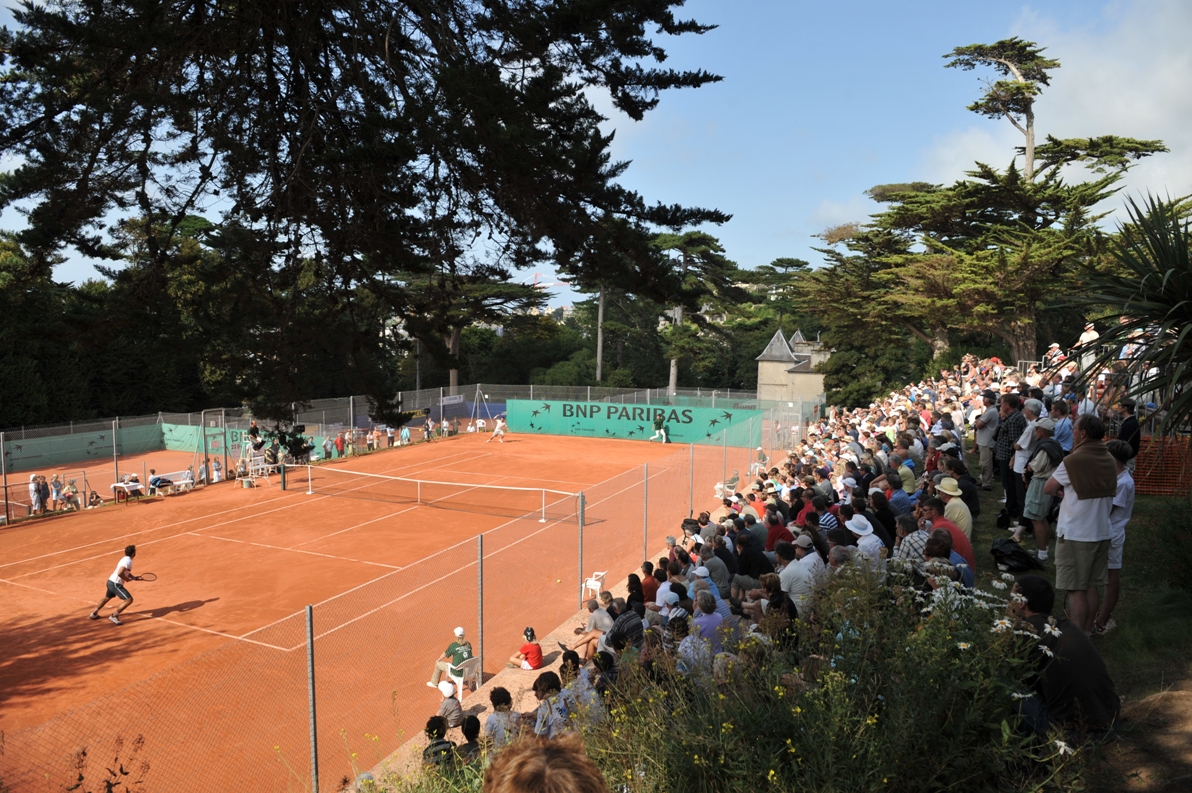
x,y
147,577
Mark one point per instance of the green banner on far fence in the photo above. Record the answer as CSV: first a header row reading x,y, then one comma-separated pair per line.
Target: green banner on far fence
x,y
636,422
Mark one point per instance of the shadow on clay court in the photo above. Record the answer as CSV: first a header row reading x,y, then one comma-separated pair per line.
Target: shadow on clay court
x,y
42,656
177,608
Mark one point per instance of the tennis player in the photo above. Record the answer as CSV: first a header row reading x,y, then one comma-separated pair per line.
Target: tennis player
x,y
498,430
116,588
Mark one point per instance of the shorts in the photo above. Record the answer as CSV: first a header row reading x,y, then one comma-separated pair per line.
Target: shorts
x,y
1037,505
1116,543
1080,565
117,591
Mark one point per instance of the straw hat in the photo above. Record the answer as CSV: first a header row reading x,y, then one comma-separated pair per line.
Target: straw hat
x,y
949,485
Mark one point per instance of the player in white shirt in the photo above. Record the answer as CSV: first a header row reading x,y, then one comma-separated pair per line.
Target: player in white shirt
x,y
498,430
116,589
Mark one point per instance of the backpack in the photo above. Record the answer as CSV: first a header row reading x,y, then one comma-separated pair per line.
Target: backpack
x,y
1010,556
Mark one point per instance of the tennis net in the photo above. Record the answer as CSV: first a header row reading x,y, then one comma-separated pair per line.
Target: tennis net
x,y
512,502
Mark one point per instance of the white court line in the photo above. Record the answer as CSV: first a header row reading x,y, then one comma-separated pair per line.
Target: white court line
x,y
134,534
458,569
351,528
293,550
140,617
173,536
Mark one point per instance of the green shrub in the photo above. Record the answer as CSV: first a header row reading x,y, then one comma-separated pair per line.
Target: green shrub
x,y
887,690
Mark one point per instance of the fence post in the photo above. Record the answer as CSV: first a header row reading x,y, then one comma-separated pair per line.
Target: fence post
x,y
531,392
589,393
480,601
645,510
4,474
581,549
724,465
223,420
691,480
115,457
310,689
352,415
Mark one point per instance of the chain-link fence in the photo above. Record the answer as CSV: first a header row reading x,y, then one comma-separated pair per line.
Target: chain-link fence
x,y
239,716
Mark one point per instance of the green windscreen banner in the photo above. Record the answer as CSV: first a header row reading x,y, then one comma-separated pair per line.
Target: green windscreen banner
x,y
712,426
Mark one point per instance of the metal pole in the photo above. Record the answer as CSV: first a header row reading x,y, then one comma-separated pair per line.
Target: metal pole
x,y
543,518
645,510
310,686
223,419
581,550
352,416
4,474
600,335
691,481
724,465
589,393
203,429
480,600
115,459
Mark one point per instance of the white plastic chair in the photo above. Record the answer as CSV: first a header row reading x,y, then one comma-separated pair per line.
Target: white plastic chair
x,y
467,672
595,583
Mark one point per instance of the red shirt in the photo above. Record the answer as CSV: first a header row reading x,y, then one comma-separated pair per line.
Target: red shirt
x,y
533,653
960,543
650,588
778,534
801,521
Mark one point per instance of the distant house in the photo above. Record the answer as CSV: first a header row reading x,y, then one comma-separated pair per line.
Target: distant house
x,y
786,369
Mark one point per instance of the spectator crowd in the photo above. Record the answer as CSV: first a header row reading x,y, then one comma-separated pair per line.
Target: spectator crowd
x,y
881,490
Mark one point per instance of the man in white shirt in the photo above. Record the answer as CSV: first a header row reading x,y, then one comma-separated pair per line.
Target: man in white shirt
x,y
1119,516
986,425
1088,351
795,579
116,588
1088,479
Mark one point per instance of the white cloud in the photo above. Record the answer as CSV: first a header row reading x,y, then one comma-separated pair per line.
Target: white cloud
x,y
1125,73
831,213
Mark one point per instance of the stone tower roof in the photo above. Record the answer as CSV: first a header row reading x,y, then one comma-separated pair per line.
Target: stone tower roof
x,y
777,350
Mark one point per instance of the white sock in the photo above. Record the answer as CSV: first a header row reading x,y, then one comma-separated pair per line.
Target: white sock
x,y
1042,554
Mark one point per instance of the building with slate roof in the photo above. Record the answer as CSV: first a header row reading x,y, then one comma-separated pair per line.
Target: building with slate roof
x,y
786,369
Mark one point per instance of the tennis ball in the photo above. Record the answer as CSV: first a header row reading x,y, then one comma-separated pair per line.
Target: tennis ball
x,y
558,580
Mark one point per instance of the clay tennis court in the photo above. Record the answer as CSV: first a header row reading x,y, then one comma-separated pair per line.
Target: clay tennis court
x,y
209,670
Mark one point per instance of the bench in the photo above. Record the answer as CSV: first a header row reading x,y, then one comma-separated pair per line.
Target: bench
x,y
180,482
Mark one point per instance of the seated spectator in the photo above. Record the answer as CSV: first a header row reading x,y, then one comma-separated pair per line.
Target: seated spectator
x,y
707,620
71,495
627,626
606,668
552,717
501,727
456,653
912,537
599,623
157,482
450,709
796,579
606,603
440,752
937,560
636,593
961,564
578,690
933,510
469,751
649,582
776,532
755,602
94,500
1073,690
530,655
751,563
693,657
542,766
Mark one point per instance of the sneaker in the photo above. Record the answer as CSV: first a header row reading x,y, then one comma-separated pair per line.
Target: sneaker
x,y
93,616
1107,627
431,684
115,620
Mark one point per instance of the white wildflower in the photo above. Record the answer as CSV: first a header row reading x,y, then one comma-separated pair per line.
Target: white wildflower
x,y
1007,577
1002,625
1064,748
1051,630
1017,695
963,645
1046,650
999,584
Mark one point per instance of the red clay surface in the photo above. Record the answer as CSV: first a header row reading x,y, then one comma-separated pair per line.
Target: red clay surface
x,y
100,475
210,667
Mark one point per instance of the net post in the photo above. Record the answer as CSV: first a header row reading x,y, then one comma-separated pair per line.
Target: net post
x,y
480,601
419,491
281,472
581,549
543,518
310,481
645,510
691,480
310,689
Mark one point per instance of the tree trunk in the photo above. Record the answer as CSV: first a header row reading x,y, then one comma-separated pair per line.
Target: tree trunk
x,y
600,335
453,340
939,343
1028,158
1020,333
674,364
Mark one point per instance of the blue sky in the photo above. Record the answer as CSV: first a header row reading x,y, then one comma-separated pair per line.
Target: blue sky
x,y
821,101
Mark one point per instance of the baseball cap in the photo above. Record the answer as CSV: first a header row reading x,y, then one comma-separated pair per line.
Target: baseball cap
x,y
459,632
671,598
804,541
703,572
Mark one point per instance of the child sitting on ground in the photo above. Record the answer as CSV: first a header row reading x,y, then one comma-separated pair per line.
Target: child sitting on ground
x,y
450,710
530,654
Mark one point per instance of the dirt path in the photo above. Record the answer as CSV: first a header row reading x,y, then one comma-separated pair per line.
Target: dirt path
x,y
1155,750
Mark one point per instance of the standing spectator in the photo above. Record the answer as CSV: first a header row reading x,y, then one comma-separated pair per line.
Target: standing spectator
x,y
1088,479
328,447
987,424
340,444
1129,431
44,491
216,472
1013,424
1063,424
389,432
1119,516
1088,346
35,505
1037,505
